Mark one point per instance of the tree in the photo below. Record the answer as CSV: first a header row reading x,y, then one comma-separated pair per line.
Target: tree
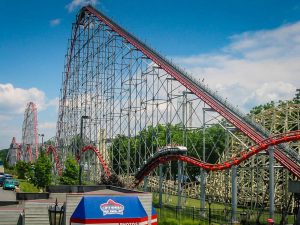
x,y
258,109
3,154
71,172
152,138
296,99
22,169
42,171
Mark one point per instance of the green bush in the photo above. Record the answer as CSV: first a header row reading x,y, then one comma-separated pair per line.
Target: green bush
x,y
168,221
22,169
172,221
27,187
42,171
190,222
71,172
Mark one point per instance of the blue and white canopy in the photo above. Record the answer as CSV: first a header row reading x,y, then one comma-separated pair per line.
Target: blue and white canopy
x,y
109,210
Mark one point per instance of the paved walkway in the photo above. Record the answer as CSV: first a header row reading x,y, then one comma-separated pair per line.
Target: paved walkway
x,y
7,195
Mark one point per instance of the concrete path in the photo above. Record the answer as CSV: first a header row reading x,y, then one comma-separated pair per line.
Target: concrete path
x,y
7,195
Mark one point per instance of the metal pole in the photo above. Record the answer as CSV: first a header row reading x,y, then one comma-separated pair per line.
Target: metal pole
x,y
80,166
128,146
42,135
202,190
234,192
271,181
89,171
81,137
160,184
209,211
129,117
42,139
203,172
180,165
145,183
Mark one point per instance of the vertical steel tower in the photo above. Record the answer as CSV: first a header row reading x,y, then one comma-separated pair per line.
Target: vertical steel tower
x,y
29,147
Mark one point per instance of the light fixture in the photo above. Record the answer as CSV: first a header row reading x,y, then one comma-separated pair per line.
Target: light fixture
x,y
56,214
243,217
209,210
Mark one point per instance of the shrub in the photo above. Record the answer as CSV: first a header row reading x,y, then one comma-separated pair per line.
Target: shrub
x,y
22,169
71,172
190,222
168,221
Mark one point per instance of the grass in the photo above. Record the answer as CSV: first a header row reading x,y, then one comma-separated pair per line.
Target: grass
x,y
189,202
172,221
184,217
25,186
167,216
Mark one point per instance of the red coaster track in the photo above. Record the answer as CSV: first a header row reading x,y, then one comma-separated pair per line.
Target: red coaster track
x,y
152,163
51,149
102,161
28,151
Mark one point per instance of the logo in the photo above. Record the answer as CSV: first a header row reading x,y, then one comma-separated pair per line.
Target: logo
x,y
111,207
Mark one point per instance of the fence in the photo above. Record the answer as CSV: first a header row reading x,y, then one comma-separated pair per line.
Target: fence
x,y
219,216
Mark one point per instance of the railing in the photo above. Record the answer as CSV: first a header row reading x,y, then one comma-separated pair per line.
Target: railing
x,y
185,215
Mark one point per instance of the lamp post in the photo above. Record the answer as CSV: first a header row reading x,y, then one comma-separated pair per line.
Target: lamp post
x,y
81,136
42,135
243,218
209,211
56,214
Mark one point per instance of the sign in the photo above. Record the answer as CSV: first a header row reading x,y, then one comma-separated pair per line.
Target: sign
x,y
111,207
111,210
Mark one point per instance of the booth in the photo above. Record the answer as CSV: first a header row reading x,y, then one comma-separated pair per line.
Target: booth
x,y
111,210
153,216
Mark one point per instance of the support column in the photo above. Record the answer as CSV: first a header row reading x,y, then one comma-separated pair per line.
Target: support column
x,y
271,182
88,177
128,147
203,172
160,184
202,190
180,165
146,184
234,192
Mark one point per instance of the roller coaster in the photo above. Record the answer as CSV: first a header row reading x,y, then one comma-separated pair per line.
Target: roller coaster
x,y
287,157
121,100
178,153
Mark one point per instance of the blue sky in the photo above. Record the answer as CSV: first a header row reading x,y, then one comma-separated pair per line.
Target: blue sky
x,y
247,50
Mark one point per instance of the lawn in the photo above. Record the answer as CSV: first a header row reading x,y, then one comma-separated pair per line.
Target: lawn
x,y
25,186
189,202
191,210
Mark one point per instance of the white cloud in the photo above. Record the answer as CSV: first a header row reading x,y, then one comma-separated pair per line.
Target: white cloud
x,y
55,22
13,100
270,91
255,68
7,133
53,103
79,3
278,43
